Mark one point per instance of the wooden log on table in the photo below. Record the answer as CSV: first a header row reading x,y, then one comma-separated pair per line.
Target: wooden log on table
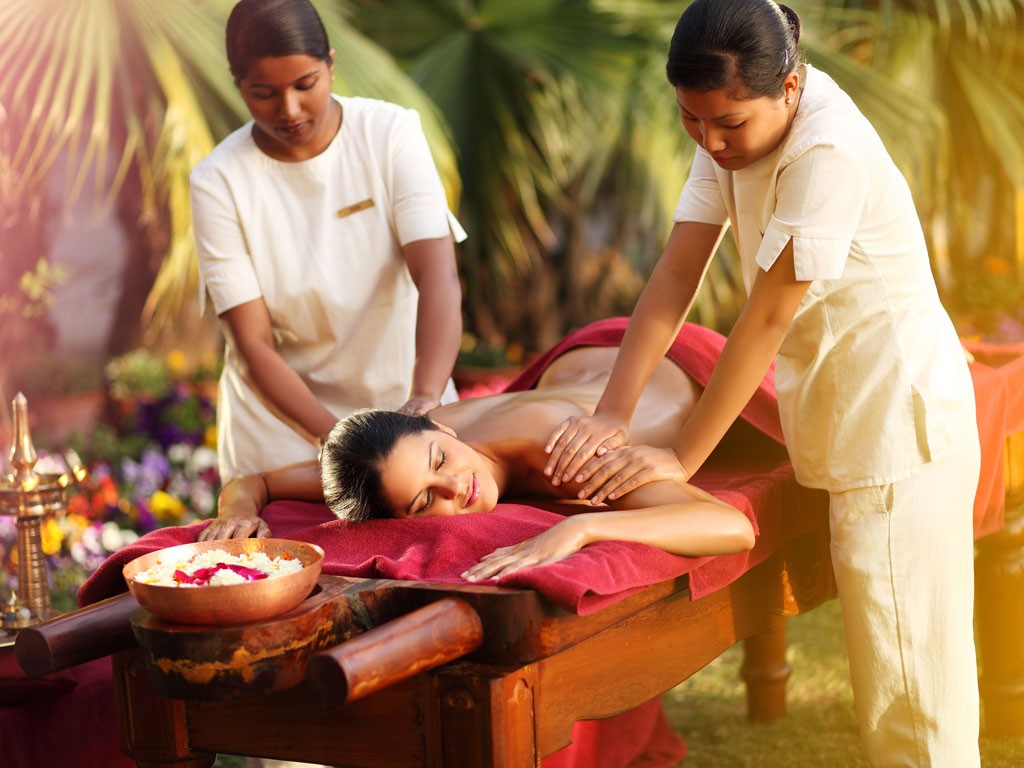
x,y
74,638
397,650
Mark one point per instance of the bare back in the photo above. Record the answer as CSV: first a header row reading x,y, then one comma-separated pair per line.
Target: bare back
x,y
515,425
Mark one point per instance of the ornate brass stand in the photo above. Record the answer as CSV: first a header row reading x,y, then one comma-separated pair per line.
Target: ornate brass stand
x,y
31,497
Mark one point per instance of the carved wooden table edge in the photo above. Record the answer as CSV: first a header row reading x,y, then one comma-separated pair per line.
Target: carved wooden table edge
x,y
471,711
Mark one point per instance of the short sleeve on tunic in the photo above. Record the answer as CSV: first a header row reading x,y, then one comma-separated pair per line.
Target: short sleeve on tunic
x,y
226,271
418,198
821,197
701,199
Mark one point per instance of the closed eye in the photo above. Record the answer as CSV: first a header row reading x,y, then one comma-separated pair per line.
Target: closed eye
x,y
429,497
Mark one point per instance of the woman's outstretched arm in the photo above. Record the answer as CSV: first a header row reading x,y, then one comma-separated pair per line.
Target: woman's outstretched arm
x,y
684,521
242,498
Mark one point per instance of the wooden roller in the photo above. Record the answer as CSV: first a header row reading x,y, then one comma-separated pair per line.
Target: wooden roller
x,y
398,649
77,637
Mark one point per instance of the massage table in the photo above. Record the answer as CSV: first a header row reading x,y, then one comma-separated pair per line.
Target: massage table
x,y
531,671
525,666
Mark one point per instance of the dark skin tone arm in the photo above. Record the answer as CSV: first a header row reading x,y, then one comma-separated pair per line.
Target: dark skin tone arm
x,y
432,267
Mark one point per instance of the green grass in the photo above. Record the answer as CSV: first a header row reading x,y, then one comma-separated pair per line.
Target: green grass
x,y
819,729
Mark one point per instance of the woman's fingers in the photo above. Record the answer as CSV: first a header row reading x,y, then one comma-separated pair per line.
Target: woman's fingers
x,y
495,564
556,543
235,528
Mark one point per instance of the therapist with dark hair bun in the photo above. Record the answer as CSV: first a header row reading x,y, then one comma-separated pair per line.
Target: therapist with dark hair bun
x,y
874,391
325,246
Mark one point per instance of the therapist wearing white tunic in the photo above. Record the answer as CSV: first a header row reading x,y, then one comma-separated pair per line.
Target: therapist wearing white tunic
x,y
874,392
325,244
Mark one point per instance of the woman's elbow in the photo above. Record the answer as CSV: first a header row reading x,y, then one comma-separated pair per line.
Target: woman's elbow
x,y
741,534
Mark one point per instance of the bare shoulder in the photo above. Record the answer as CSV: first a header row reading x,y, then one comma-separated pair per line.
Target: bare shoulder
x,y
525,419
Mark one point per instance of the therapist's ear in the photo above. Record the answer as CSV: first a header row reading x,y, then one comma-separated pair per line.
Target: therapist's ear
x,y
444,428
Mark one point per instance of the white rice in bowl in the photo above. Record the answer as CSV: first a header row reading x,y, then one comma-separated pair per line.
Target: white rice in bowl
x,y
169,574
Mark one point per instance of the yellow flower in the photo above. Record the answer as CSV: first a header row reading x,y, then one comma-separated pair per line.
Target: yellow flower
x,y
176,362
51,535
165,506
210,436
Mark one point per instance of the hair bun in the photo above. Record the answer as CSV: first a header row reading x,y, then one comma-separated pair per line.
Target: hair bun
x,y
794,21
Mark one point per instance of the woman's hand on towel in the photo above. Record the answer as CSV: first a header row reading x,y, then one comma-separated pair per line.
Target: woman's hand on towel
x,y
577,440
238,510
616,473
556,543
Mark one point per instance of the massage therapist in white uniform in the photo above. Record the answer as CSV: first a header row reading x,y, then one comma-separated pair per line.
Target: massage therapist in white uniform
x,y
874,391
326,247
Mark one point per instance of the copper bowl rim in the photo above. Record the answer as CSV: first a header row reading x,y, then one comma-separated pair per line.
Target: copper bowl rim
x,y
227,603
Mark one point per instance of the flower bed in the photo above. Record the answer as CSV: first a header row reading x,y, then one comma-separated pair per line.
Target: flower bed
x,y
152,462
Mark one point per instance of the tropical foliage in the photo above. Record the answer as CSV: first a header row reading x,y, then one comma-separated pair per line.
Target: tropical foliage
x,y
955,72
566,134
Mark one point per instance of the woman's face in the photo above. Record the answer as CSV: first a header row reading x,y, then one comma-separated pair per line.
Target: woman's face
x,y
434,474
735,132
289,98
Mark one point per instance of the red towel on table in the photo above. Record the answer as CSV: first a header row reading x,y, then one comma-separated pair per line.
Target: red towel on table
x,y
753,475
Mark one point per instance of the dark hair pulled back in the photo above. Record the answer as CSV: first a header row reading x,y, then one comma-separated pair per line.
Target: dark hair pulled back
x,y
352,460
260,28
738,45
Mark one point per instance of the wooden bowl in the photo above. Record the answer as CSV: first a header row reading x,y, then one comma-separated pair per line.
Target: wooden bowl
x,y
229,603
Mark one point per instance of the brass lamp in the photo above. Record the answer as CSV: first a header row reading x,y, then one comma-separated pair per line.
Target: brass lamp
x,y
31,497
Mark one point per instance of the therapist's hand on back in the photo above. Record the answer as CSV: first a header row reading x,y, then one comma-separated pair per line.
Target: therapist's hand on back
x,y
578,439
616,473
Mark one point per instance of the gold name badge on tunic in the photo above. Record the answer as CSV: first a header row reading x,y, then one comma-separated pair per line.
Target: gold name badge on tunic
x,y
348,210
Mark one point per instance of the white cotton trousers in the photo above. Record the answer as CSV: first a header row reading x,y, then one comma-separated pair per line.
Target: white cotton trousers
x,y
903,556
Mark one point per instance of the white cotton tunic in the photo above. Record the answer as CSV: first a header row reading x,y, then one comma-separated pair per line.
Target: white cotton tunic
x,y
871,377
341,301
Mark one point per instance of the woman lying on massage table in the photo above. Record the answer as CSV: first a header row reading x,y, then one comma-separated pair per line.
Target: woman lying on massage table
x,y
467,455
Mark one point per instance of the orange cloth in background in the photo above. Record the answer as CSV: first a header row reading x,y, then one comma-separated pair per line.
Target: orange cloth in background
x,y
998,374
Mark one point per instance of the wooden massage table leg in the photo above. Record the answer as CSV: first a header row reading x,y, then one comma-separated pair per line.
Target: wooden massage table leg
x,y
153,729
766,672
486,716
999,606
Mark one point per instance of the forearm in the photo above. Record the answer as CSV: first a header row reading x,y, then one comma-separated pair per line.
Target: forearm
x,y
654,325
286,392
297,482
438,314
438,334
748,353
691,529
658,316
243,498
745,359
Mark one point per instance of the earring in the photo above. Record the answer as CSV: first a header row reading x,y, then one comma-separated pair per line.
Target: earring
x,y
789,99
